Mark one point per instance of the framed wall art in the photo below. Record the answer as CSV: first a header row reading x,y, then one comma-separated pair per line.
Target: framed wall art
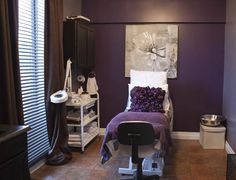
x,y
151,48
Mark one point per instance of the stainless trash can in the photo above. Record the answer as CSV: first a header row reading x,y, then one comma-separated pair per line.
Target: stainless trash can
x,y
212,137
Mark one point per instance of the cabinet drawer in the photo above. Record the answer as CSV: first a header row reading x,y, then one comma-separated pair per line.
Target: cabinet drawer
x,y
15,168
13,147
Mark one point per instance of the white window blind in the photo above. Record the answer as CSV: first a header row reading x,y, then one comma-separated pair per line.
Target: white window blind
x,y
31,55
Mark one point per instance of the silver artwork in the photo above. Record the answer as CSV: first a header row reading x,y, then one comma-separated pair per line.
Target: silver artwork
x,y
151,48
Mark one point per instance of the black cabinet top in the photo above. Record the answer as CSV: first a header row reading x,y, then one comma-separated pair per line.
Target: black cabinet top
x,y
9,131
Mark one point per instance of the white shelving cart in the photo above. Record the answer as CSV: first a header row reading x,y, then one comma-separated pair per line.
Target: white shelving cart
x,y
83,121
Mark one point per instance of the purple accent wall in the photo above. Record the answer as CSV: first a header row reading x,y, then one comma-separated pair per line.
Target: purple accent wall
x,y
109,68
154,10
198,88
71,7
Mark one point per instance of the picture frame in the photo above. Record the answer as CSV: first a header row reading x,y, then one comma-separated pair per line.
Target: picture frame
x,y
151,47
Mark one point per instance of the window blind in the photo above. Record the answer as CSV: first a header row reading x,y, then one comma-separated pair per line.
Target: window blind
x,y
31,56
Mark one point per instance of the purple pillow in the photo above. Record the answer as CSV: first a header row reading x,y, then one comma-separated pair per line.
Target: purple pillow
x,y
146,99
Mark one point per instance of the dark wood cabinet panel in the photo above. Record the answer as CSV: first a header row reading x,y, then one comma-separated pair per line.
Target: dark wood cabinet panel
x,y
15,168
82,39
91,48
69,41
78,39
13,150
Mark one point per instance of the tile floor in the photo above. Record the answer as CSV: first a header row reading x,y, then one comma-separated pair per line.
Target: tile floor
x,y
186,161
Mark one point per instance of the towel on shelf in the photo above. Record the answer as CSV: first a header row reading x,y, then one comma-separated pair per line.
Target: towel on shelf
x,y
92,86
94,124
73,139
90,129
74,143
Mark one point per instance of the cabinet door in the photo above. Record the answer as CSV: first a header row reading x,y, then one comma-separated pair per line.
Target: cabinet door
x,y
91,48
78,42
82,45
15,168
69,43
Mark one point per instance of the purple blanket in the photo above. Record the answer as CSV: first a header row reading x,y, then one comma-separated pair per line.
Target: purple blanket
x,y
158,120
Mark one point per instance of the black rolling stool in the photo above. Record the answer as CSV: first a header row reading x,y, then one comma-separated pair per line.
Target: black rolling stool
x,y
136,133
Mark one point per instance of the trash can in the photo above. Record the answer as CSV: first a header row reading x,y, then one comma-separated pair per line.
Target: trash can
x,y
212,137
212,133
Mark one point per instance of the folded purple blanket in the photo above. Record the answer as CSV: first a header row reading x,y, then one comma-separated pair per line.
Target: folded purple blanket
x,y
158,120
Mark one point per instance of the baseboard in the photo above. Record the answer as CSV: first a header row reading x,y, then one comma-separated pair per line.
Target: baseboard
x,y
185,135
37,165
174,134
228,148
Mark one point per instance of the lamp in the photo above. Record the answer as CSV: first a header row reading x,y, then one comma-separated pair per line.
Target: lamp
x,y
61,96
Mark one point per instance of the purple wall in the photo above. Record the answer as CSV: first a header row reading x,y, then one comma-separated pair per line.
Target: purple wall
x,y
198,88
71,7
154,10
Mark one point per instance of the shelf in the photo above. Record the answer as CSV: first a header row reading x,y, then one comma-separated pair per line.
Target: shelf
x,y
93,135
86,141
87,121
77,122
74,119
86,103
79,117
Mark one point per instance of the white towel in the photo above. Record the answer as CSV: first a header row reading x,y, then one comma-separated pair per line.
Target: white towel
x,y
92,86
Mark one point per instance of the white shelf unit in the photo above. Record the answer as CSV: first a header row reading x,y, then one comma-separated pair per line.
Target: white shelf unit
x,y
79,137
